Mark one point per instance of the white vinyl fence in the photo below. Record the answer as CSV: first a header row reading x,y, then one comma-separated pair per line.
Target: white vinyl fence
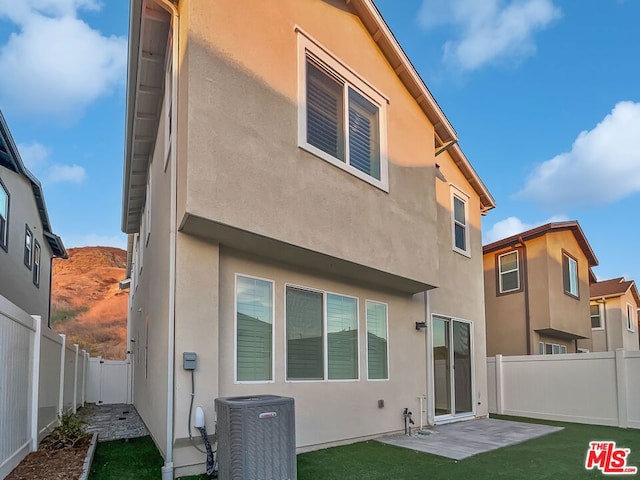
x,y
109,381
40,376
595,388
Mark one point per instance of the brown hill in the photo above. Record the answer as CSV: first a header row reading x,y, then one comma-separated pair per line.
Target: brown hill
x,y
86,302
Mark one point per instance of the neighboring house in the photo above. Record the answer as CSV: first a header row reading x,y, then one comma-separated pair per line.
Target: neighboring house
x,y
299,211
537,291
614,315
27,244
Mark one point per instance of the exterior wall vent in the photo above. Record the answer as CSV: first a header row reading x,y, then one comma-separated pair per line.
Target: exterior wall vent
x,y
256,438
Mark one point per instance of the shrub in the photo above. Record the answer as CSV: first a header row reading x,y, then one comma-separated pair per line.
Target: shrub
x,y
67,434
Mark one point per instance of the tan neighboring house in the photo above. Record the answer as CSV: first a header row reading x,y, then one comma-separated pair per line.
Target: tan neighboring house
x,y
614,315
27,242
302,218
537,291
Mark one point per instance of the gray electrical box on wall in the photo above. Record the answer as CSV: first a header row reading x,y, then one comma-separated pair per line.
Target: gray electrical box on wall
x,y
189,360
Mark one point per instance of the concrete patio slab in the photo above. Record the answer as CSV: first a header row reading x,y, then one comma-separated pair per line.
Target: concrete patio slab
x,y
113,422
464,439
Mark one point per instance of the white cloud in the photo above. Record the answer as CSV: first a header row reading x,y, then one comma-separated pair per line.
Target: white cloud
x,y
34,155
488,29
513,225
603,165
58,63
66,173
95,240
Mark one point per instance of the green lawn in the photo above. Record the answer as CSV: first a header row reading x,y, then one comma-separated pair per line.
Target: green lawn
x,y
135,459
558,455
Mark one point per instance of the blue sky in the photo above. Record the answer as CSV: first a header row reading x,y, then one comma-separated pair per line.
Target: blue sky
x,y
543,94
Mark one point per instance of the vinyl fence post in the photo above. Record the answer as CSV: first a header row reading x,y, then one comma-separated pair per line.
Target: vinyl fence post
x,y
499,385
75,379
35,381
61,390
621,383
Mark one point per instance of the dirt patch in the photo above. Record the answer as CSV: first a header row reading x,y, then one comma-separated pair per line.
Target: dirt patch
x,y
62,464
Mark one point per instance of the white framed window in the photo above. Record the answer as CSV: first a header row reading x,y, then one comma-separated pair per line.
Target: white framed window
x,y
147,207
254,332
540,348
583,350
168,101
28,247
377,341
570,275
322,335
341,117
555,349
4,216
509,272
460,222
563,349
631,323
596,316
37,254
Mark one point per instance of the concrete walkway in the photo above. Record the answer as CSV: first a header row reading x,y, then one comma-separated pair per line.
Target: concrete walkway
x,y
113,422
464,439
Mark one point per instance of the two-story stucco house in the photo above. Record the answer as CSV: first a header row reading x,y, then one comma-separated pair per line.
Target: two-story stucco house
x,y
614,315
27,243
537,291
301,217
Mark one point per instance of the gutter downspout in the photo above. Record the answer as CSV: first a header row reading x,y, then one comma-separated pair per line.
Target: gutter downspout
x,y
168,469
527,313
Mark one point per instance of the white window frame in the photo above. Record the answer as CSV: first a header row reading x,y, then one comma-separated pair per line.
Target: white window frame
x,y
366,333
600,315
464,198
28,247
541,348
563,349
500,272
631,321
235,330
4,238
308,45
168,101
325,336
577,279
37,262
555,348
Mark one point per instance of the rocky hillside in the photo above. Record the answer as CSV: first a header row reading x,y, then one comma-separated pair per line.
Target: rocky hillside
x,y
86,303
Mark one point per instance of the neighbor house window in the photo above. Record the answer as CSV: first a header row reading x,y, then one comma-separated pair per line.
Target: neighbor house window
x,y
630,318
548,349
309,337
460,222
341,117
556,349
570,275
540,348
563,349
36,263
377,341
28,247
509,272
4,216
596,317
254,329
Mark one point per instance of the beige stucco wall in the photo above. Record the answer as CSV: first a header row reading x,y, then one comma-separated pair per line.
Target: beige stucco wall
x,y
618,335
629,338
16,280
245,169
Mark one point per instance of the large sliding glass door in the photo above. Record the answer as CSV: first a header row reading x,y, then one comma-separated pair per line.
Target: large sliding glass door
x,y
452,372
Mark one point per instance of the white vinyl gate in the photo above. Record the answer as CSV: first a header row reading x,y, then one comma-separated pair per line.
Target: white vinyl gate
x,y
109,381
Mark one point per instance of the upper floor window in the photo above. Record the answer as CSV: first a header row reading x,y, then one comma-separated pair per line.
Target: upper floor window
x,y
37,252
460,221
509,272
596,317
4,216
570,275
630,318
341,119
28,247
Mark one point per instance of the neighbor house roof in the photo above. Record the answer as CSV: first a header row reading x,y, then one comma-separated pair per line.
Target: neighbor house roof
x,y
573,226
143,100
10,158
614,287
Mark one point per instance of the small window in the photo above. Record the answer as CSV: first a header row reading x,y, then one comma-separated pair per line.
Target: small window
x,y
304,324
563,349
540,348
377,341
596,317
4,216
631,324
342,337
509,272
570,275
548,349
341,118
36,263
28,247
254,329
460,222
555,349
